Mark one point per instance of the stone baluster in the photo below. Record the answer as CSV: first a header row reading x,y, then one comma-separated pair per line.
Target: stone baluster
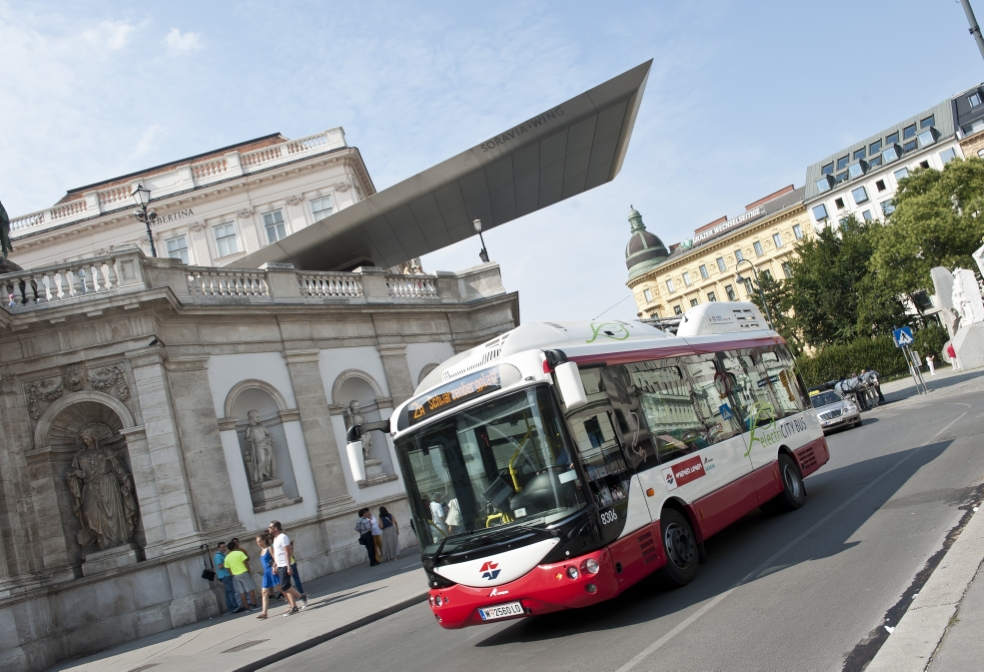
x,y
76,280
111,277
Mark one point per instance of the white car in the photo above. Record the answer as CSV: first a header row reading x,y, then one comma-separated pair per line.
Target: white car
x,y
835,411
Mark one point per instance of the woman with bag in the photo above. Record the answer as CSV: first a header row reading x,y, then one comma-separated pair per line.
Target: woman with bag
x,y
391,532
270,580
364,528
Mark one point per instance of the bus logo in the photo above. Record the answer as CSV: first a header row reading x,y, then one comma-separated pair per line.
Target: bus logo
x,y
489,570
684,472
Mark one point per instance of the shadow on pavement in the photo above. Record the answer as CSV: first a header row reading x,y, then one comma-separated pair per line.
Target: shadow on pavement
x,y
742,547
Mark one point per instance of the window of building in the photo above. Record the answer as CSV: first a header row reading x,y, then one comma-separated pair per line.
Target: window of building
x,y
787,270
648,294
842,162
721,265
909,132
928,121
842,223
927,137
225,239
738,255
748,286
841,177
887,207
892,139
860,195
686,278
974,99
824,183
177,248
275,226
901,173
730,291
828,169
924,164
669,286
909,146
798,230
866,215
880,185
703,271
777,239
758,248
767,274
891,153
321,207
858,154
875,147
839,202
948,155
875,161
677,310
857,169
980,153
711,298
693,302
819,213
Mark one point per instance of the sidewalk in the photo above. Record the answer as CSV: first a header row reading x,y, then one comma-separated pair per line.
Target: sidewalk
x,y
946,381
337,603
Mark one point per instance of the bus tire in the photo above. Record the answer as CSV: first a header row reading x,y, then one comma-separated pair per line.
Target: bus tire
x,y
793,493
679,548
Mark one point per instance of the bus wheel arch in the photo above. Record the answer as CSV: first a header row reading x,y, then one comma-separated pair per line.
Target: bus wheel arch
x,y
793,493
687,511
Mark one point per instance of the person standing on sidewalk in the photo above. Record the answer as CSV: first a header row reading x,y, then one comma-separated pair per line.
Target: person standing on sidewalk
x,y
952,353
872,378
270,580
238,564
930,360
282,552
391,532
225,576
377,537
364,528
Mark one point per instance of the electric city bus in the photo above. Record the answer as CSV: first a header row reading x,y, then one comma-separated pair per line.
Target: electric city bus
x,y
560,463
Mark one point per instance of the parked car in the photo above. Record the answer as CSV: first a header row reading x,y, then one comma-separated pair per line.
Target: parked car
x,y
834,411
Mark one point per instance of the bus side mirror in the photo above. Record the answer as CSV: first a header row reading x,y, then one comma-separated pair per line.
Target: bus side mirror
x,y
570,386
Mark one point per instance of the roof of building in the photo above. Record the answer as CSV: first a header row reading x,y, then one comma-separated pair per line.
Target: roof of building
x,y
967,111
644,250
942,121
572,147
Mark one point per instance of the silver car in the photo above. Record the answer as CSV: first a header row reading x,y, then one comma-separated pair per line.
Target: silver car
x,y
835,411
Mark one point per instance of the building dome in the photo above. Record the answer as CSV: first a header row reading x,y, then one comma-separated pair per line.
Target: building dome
x,y
645,250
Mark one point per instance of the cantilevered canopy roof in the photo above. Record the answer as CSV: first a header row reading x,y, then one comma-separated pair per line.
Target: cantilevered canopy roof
x,y
570,148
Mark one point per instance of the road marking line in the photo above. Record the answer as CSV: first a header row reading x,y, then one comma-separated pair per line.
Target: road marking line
x,y
645,653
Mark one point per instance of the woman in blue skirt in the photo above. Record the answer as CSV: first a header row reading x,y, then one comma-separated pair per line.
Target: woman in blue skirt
x,y
270,580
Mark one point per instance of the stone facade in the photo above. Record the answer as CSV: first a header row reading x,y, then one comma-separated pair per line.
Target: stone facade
x,y
171,359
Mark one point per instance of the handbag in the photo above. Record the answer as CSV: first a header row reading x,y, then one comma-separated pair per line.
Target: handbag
x,y
208,573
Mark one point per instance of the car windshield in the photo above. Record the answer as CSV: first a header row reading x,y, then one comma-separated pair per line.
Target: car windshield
x,y
825,398
493,466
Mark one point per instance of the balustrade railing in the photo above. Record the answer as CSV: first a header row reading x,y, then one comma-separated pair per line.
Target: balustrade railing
x,y
412,286
205,170
330,285
218,282
260,156
57,283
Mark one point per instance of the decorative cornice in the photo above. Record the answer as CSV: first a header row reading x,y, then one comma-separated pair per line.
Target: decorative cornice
x,y
187,363
290,415
301,356
226,424
146,356
392,349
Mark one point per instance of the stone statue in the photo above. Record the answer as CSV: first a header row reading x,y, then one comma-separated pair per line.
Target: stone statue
x,y
356,418
943,283
102,491
967,297
978,256
259,458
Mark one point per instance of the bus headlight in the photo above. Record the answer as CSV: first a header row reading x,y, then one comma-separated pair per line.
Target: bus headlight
x,y
572,572
591,566
437,600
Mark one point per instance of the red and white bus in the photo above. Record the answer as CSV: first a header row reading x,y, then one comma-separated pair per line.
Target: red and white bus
x,y
560,463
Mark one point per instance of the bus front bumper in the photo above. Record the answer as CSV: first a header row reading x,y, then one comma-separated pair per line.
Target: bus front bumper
x,y
543,589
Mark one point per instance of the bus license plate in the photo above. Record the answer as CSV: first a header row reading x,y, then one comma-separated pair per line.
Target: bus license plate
x,y
501,611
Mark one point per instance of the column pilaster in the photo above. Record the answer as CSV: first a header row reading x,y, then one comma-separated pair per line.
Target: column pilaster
x,y
398,378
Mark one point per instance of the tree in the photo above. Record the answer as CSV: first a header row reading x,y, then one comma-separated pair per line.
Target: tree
x,y
938,221
778,299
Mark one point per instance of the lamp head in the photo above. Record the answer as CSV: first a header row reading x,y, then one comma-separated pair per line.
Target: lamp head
x,y
478,225
484,256
141,195
152,215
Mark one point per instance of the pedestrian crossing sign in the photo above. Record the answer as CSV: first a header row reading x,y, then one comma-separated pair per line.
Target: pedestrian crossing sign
x,y
902,336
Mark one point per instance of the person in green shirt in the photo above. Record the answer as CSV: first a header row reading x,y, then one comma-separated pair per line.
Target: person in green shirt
x,y
238,564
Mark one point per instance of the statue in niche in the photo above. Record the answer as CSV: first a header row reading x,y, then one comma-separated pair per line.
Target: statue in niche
x,y
356,418
259,457
102,490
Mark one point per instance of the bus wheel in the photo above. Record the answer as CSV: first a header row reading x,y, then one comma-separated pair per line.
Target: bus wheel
x,y
793,493
679,547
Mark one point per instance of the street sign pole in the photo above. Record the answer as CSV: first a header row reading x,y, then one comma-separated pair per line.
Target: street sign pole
x,y
914,370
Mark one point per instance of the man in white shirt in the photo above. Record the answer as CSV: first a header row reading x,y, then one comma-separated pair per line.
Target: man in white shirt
x,y
282,552
437,512
377,538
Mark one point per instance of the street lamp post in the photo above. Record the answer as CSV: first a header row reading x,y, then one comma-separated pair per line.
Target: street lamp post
x,y
142,196
758,285
484,254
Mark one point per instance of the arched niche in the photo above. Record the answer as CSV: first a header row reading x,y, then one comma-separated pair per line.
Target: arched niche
x,y
424,372
56,440
355,385
268,402
349,380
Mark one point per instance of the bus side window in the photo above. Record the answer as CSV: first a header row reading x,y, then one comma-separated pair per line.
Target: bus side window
x,y
710,399
597,443
752,388
776,367
665,395
629,418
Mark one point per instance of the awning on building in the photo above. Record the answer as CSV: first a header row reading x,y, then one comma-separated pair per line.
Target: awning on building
x,y
569,148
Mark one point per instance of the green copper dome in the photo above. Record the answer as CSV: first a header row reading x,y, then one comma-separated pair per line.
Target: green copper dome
x,y
645,250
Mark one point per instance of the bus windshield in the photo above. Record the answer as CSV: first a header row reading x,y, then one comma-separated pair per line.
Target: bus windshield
x,y
496,465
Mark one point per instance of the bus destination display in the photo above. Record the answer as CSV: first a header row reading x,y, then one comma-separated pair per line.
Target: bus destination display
x,y
452,394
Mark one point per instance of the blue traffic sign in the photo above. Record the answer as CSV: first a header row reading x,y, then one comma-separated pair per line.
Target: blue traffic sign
x,y
902,336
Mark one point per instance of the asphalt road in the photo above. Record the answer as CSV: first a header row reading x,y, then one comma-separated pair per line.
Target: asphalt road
x,y
794,592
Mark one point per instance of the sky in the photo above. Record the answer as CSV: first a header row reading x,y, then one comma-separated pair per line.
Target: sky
x,y
741,98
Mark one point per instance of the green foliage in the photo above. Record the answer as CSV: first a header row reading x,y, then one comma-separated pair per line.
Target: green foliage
x,y
779,300
936,223
930,341
839,361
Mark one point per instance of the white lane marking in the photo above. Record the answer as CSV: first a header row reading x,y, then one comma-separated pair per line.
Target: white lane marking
x,y
645,653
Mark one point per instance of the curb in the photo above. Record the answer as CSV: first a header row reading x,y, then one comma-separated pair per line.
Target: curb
x,y
919,632
331,634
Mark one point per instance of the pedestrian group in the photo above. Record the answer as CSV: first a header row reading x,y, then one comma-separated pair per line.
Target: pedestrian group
x,y
381,537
